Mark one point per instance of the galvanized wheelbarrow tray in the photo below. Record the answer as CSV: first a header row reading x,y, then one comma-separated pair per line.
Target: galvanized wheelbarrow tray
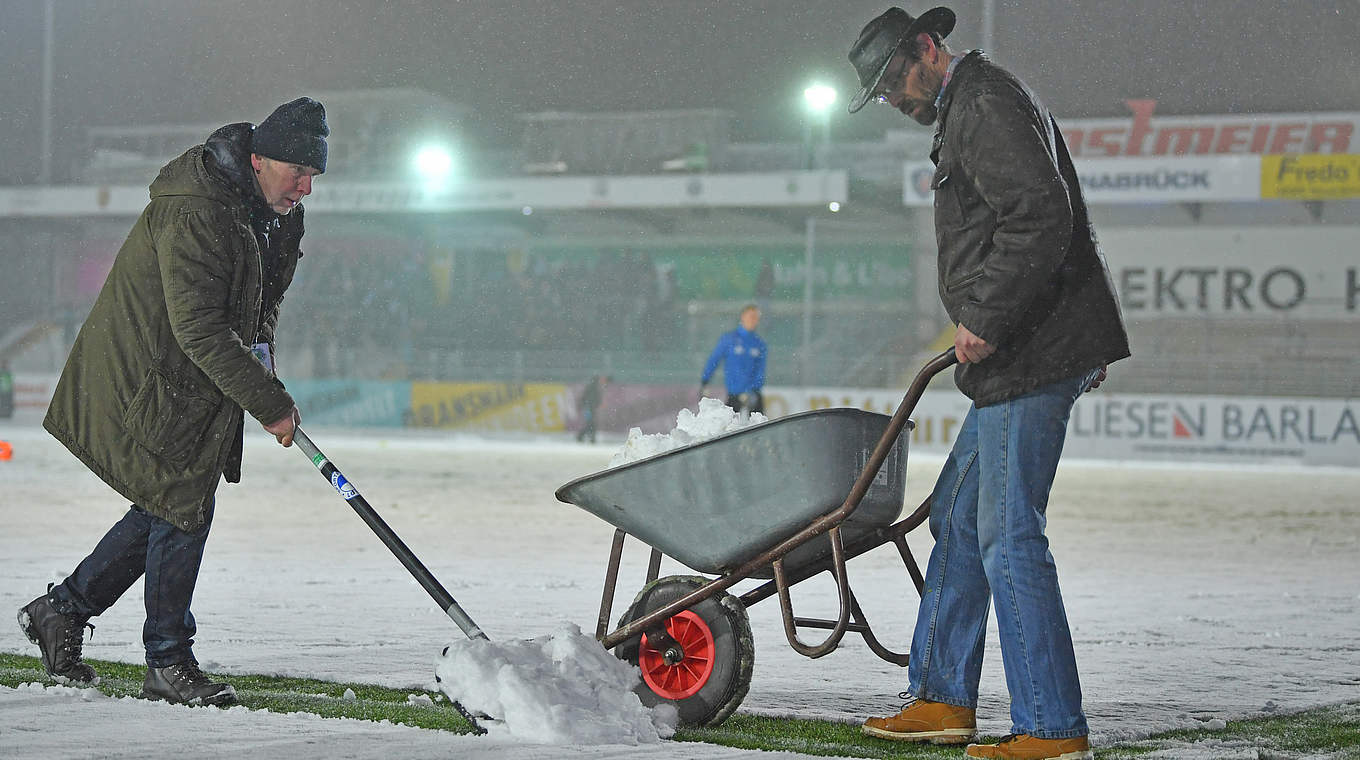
x,y
767,501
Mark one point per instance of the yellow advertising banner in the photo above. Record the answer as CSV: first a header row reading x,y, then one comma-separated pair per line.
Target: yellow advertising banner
x,y
534,407
1311,176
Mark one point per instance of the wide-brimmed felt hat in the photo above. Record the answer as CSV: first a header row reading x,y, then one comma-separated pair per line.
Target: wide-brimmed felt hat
x,y
881,37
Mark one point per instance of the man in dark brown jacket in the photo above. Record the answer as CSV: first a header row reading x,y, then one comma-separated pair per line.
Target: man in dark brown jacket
x,y
178,343
1036,323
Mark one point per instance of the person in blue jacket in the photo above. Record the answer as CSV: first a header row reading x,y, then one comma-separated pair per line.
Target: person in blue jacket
x,y
742,354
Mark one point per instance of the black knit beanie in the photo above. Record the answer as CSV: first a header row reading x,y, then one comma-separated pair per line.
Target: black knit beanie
x,y
296,132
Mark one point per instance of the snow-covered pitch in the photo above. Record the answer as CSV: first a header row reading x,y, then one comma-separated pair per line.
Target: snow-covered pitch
x,y
1195,594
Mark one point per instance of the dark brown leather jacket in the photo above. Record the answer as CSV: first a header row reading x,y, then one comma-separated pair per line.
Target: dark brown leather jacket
x,y
1019,264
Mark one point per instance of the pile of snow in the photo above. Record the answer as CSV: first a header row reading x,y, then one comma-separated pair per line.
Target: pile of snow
x,y
558,689
714,419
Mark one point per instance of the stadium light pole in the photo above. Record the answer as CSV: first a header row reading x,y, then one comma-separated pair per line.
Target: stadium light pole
x,y
809,257
818,98
988,25
45,172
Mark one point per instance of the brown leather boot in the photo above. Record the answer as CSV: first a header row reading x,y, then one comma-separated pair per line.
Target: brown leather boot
x,y
1026,747
923,721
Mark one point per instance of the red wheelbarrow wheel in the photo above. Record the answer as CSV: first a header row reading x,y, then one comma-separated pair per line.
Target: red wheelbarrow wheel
x,y
712,675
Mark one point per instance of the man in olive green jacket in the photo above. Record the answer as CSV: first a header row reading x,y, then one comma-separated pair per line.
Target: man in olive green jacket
x,y
179,342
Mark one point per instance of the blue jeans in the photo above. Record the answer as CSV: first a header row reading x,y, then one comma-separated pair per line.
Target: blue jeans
x,y
138,544
987,516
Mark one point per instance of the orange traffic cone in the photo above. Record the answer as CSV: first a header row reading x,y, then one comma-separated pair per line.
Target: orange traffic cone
x,y
6,451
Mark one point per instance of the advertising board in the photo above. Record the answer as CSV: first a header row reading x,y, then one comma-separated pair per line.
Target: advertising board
x,y
1141,427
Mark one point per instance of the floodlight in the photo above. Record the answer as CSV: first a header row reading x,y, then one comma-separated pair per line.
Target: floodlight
x,y
434,162
819,98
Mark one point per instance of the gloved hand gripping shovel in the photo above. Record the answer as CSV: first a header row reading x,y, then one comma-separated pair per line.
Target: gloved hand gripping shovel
x,y
417,569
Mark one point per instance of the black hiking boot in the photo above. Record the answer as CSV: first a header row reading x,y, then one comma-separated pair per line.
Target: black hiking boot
x,y
60,639
184,684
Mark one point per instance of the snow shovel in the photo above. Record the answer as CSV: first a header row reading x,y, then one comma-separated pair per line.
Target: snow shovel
x,y
417,569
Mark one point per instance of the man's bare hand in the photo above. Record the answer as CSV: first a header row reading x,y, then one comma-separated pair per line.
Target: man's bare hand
x,y
1100,378
969,347
283,429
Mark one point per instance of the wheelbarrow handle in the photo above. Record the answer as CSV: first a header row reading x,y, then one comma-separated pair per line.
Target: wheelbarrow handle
x,y
935,366
939,363
899,420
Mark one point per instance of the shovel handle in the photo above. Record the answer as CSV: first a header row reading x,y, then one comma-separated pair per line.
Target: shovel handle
x,y
407,558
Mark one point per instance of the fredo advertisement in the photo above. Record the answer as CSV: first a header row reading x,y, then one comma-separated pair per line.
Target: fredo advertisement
x,y
1310,177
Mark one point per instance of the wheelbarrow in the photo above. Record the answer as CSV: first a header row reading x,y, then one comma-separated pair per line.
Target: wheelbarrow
x,y
765,502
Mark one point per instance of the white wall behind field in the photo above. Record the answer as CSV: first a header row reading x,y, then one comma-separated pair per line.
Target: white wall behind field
x,y
1237,273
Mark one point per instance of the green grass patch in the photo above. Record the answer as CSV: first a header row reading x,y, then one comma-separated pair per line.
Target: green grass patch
x,y
1333,732
811,737
275,694
1330,731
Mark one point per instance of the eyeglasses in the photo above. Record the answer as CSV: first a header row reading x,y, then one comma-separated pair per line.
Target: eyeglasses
x,y
889,83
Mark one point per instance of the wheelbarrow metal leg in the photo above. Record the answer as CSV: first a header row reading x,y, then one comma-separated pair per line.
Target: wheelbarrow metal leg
x,y
884,653
907,559
611,581
654,565
842,592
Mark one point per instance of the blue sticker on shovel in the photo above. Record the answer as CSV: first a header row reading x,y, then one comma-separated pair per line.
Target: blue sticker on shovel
x,y
346,490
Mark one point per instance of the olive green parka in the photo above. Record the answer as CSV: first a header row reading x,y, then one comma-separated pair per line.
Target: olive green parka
x,y
152,394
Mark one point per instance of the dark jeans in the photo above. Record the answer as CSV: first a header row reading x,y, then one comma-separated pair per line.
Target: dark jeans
x,y
587,426
138,544
750,401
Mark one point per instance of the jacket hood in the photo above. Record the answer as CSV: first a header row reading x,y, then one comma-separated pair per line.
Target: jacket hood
x,y
219,169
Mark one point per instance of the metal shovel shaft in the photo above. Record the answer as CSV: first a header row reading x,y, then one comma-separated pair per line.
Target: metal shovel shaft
x,y
408,559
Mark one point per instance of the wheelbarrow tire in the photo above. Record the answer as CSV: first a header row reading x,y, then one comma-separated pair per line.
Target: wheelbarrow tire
x,y
710,683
